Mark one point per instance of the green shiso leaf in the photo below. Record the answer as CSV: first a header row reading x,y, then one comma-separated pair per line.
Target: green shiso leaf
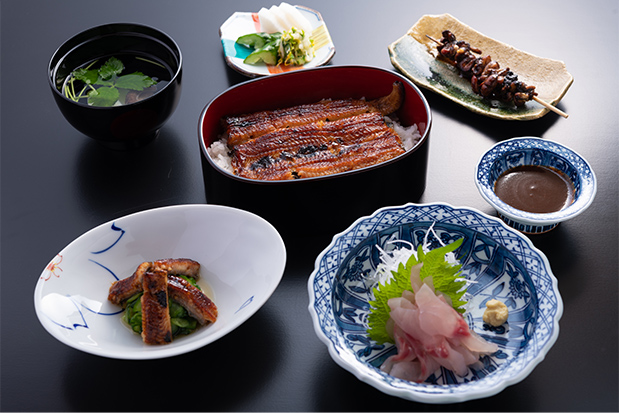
x,y
379,312
443,275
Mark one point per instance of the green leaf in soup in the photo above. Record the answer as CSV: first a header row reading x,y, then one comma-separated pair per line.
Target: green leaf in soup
x,y
112,67
104,96
86,76
108,82
122,95
134,81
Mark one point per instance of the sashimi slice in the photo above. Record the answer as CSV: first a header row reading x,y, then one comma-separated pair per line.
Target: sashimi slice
x,y
436,317
428,334
477,344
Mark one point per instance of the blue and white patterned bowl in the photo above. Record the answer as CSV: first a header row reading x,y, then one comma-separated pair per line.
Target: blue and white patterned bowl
x,y
70,297
541,152
502,263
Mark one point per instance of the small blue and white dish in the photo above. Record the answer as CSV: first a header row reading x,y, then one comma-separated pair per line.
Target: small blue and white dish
x,y
500,262
516,152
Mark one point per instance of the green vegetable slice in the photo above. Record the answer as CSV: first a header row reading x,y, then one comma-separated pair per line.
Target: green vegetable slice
x,y
258,40
267,54
182,323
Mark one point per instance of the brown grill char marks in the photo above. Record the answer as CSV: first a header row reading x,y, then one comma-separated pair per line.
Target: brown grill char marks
x,y
336,158
197,304
352,157
302,140
486,76
242,128
319,144
161,281
156,326
184,266
122,290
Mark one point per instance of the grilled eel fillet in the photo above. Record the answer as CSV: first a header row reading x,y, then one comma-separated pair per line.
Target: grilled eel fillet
x,y
159,283
197,304
317,149
242,128
156,325
122,290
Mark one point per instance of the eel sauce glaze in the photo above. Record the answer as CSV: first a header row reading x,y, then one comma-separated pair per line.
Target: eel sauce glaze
x,y
533,188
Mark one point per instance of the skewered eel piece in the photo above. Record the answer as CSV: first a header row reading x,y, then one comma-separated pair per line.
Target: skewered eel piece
x,y
486,76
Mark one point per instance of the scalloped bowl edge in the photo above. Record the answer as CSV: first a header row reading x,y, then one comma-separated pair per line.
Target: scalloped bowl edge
x,y
360,374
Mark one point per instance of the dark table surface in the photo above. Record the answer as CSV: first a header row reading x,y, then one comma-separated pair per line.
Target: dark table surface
x,y
57,184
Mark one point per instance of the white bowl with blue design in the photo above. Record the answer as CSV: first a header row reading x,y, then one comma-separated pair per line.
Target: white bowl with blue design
x,y
515,152
502,263
242,261
242,23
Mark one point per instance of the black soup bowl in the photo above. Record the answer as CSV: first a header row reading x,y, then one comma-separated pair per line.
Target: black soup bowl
x,y
141,49
325,204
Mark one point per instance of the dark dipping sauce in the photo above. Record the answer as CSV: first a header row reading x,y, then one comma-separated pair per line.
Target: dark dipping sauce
x,y
533,188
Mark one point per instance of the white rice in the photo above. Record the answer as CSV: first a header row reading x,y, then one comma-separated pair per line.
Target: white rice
x,y
220,153
409,134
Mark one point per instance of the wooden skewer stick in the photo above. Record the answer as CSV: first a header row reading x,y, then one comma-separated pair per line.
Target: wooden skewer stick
x,y
550,107
535,98
433,39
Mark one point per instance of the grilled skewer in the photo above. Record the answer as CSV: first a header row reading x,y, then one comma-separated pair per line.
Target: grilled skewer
x,y
486,77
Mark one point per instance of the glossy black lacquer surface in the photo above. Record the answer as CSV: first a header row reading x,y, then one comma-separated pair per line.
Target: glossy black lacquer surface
x,y
323,202
57,184
126,126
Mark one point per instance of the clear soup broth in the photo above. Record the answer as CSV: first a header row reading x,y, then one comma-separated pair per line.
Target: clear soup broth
x,y
116,80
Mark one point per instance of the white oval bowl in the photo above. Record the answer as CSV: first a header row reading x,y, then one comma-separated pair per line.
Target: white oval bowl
x,y
242,261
